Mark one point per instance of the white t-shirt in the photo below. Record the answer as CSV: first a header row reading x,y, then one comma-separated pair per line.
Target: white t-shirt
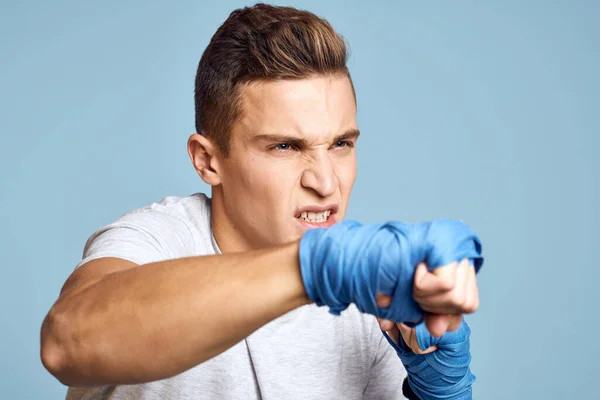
x,y
305,354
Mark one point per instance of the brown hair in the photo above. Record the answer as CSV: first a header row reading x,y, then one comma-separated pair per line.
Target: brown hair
x,y
261,42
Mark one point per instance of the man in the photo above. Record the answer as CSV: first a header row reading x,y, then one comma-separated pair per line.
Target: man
x,y
205,298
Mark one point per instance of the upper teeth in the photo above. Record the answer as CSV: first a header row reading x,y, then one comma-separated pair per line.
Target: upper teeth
x,y
315,216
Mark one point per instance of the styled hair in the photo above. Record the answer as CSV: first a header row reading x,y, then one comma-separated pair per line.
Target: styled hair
x,y
260,43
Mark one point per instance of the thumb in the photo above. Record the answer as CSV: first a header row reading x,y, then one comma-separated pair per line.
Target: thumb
x,y
441,280
409,335
420,273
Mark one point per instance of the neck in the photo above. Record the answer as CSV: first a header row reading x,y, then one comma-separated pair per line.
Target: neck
x,y
229,238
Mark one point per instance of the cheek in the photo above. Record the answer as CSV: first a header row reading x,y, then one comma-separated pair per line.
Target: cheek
x,y
278,185
268,181
347,174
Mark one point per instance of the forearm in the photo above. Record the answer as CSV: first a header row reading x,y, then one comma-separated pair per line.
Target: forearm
x,y
149,323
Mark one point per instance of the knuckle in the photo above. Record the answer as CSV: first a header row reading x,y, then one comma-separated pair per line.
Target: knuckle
x,y
469,308
476,305
472,306
417,287
459,298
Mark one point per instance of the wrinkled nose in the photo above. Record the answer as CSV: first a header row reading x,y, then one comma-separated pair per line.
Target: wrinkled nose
x,y
320,176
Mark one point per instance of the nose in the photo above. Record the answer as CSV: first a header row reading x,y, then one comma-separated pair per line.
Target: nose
x,y
320,176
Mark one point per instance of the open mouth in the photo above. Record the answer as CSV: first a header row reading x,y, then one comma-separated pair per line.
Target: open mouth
x,y
314,217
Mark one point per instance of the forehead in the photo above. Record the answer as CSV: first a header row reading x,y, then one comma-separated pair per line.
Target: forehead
x,y
312,108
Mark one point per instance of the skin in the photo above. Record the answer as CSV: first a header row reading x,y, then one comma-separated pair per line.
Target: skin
x,y
103,328
293,147
439,319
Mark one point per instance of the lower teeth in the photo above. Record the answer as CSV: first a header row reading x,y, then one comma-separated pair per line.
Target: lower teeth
x,y
313,220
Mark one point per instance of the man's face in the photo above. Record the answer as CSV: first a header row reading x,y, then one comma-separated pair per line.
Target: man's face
x,y
292,160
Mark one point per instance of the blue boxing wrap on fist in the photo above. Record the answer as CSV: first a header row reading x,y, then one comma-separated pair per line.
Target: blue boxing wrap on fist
x,y
443,373
351,262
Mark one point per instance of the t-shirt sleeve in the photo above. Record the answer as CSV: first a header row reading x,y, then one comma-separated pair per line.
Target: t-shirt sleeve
x,y
141,237
387,373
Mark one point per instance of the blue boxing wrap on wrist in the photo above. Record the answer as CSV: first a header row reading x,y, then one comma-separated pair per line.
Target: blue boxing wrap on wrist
x,y
443,373
351,262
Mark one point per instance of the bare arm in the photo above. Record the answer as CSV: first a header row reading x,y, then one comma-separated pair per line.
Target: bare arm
x,y
115,323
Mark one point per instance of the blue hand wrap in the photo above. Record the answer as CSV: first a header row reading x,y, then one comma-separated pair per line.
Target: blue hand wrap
x,y
444,373
351,262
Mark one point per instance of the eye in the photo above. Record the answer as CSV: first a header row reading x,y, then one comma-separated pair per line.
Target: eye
x,y
283,146
343,143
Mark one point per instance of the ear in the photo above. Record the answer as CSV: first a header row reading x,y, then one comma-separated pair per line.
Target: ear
x,y
204,155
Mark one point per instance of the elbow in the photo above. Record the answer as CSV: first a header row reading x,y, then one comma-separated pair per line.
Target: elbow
x,y
54,349
54,361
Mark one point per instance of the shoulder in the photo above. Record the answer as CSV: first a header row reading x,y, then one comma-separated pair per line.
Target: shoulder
x,y
170,228
171,215
189,210
191,213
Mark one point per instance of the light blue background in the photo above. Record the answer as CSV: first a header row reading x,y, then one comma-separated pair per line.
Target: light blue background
x,y
481,111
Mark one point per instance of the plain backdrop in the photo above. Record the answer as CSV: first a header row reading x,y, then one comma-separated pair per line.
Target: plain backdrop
x,y
482,111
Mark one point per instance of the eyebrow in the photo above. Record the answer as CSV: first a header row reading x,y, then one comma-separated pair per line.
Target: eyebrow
x,y
302,143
